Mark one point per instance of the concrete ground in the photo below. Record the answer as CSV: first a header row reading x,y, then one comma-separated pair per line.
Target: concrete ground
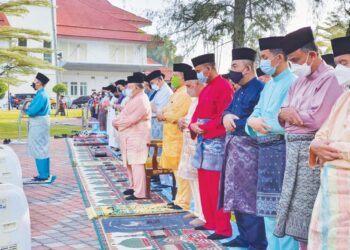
x,y
57,211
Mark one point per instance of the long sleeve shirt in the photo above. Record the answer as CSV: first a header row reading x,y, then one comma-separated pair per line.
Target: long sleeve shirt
x,y
177,108
40,105
134,126
313,98
270,102
136,111
243,104
212,102
337,130
162,98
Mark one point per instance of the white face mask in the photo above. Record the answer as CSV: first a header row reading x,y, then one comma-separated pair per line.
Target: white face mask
x,y
301,70
342,73
155,87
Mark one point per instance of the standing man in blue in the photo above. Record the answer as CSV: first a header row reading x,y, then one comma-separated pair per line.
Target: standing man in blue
x,y
39,128
263,124
160,100
240,169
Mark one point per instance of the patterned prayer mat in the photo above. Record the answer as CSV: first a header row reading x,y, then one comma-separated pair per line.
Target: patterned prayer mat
x,y
105,186
30,180
130,210
183,239
89,141
105,182
146,223
82,154
110,164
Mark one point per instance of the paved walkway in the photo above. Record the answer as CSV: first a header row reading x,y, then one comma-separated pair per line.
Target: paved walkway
x,y
57,211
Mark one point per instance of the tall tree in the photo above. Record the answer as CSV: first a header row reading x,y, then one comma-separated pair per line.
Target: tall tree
x,y
15,60
163,50
59,89
213,20
336,25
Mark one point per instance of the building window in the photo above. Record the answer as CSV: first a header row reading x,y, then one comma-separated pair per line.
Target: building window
x,y
22,42
83,88
47,57
73,88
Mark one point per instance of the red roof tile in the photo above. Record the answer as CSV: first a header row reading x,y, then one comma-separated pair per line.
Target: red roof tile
x,y
3,20
92,18
107,7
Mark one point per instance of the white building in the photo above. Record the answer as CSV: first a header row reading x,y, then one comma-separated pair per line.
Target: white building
x,y
34,20
97,44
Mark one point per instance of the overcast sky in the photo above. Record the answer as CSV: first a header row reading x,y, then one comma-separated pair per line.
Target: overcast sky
x,y
302,17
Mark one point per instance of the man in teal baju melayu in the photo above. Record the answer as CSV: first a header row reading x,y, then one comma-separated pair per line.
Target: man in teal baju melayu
x,y
39,127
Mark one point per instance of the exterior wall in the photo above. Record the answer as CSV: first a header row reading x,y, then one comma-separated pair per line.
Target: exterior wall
x,y
88,50
38,18
102,51
94,81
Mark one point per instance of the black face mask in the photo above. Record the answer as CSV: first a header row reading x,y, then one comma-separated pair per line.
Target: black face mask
x,y
33,85
235,76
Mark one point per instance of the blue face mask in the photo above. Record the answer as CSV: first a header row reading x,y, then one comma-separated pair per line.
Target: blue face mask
x,y
235,76
128,92
267,68
201,77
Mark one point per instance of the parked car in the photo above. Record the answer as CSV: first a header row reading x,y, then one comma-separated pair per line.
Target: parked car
x,y
80,101
20,98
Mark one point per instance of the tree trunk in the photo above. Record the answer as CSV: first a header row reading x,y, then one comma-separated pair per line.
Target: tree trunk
x,y
239,14
57,97
348,30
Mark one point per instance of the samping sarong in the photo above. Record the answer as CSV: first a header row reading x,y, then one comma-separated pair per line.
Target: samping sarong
x,y
299,191
102,118
209,153
330,221
272,152
239,175
38,137
157,129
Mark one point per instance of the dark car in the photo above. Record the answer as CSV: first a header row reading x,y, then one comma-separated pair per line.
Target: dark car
x,y
19,98
80,101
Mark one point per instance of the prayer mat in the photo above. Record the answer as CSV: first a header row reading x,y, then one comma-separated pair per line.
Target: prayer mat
x,y
159,239
183,239
86,153
146,223
130,210
89,142
30,180
98,163
105,186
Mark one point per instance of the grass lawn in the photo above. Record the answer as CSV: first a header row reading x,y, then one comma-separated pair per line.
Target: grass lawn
x,y
9,124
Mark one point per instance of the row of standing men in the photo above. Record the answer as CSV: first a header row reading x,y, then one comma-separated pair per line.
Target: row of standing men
x,y
246,148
